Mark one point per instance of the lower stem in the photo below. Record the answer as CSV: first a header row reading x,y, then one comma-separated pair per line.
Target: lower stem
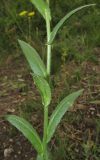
x,y
45,133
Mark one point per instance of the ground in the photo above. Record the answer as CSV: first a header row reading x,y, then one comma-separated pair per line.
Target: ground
x,y
77,137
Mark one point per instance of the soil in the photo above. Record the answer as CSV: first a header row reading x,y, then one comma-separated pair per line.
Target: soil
x,y
17,89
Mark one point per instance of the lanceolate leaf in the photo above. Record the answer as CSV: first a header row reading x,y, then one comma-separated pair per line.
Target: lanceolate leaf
x,y
42,7
44,89
33,59
60,23
62,107
27,130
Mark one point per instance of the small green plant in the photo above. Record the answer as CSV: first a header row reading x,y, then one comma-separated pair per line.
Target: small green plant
x,y
41,77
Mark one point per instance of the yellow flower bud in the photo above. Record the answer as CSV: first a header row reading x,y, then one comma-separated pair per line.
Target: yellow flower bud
x,y
23,13
30,14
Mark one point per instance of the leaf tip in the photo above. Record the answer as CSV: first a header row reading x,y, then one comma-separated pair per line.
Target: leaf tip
x,y
19,41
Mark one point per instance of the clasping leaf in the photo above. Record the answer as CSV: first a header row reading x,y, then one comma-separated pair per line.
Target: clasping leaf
x,y
33,59
62,107
28,131
42,6
39,157
44,89
60,23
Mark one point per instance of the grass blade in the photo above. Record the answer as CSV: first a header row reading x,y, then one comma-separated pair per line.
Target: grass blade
x,y
61,22
27,130
62,107
33,59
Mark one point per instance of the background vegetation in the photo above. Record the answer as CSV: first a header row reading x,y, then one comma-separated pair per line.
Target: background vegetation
x,y
82,30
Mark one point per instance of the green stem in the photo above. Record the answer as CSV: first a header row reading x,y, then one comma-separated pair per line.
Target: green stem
x,y
45,133
48,2
45,156
48,46
29,33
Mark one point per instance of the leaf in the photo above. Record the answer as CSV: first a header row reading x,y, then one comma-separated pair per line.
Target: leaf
x,y
44,89
48,156
60,23
39,157
42,7
27,130
62,107
33,59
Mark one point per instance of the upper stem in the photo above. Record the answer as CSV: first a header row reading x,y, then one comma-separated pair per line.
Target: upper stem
x,y
48,1
48,46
